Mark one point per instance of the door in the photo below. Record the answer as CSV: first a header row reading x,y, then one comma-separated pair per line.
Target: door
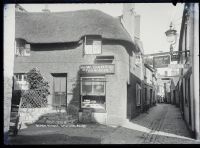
x,y
181,100
151,97
59,98
190,115
145,104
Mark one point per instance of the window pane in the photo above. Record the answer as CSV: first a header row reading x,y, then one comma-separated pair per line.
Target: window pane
x,y
86,86
98,88
88,49
63,84
27,52
19,77
89,42
20,82
97,102
56,84
96,47
22,51
25,77
138,90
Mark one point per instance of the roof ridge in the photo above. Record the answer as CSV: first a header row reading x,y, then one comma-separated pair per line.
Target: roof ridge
x,y
57,12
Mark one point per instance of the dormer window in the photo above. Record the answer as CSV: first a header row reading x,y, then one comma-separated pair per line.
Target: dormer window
x,y
22,48
92,45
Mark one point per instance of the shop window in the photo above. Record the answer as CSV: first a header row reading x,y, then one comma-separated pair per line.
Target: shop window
x,y
92,45
138,95
22,48
20,82
93,92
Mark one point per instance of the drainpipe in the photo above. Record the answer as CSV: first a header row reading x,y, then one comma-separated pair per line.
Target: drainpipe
x,y
195,72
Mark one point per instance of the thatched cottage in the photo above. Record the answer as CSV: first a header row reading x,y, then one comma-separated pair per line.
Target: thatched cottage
x,y
89,59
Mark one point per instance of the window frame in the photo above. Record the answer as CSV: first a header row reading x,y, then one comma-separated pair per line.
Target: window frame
x,y
93,39
21,82
82,95
138,94
23,50
138,60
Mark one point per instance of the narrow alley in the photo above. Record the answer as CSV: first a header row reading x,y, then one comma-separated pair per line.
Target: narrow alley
x,y
101,73
162,124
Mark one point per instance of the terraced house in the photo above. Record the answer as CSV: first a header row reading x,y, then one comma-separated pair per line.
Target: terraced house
x,y
91,60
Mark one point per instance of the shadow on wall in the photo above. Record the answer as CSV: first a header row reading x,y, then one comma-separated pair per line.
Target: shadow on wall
x,y
55,46
72,109
74,105
132,109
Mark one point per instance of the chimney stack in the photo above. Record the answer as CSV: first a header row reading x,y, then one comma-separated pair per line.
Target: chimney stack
x,y
137,26
131,21
129,18
46,10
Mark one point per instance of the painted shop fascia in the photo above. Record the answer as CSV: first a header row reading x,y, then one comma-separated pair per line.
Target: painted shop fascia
x,y
90,65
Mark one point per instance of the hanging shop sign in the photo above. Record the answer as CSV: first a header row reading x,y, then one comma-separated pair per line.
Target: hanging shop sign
x,y
108,69
161,61
175,56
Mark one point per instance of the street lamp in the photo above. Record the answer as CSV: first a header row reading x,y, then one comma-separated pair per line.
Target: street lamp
x,y
171,37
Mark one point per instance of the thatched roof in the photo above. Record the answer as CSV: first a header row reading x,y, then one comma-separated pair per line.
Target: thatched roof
x,y
61,27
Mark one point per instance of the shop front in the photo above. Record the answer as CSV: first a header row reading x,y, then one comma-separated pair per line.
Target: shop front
x,y
93,92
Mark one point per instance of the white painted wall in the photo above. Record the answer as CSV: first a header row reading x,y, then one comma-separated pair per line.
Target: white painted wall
x,y
9,40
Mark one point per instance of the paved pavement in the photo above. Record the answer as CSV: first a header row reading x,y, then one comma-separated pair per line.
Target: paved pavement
x,y
161,125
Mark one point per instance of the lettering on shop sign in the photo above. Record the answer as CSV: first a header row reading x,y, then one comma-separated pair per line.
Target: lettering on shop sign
x,y
109,68
161,61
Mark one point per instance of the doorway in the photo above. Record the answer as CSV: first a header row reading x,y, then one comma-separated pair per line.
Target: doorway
x,y
151,101
59,91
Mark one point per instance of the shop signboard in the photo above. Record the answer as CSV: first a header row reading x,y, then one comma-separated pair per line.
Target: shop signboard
x,y
104,69
161,61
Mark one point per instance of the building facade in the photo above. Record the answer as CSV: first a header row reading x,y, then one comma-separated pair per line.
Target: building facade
x,y
89,59
188,85
149,89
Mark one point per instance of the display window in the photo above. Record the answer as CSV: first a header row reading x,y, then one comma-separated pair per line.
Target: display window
x,y
93,92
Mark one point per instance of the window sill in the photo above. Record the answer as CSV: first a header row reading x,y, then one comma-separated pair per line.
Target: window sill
x,y
22,55
93,110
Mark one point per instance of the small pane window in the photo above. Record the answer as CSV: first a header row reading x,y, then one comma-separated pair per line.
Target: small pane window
x,y
96,47
93,93
92,46
22,48
20,82
86,86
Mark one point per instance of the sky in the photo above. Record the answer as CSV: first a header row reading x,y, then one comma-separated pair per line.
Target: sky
x,y
155,19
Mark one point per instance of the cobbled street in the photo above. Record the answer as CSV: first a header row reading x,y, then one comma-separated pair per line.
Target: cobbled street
x,y
162,124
